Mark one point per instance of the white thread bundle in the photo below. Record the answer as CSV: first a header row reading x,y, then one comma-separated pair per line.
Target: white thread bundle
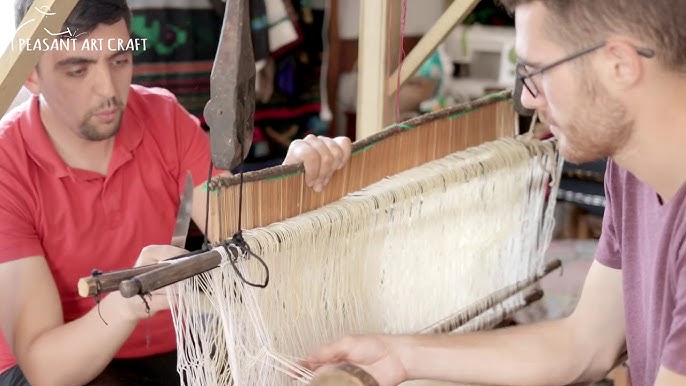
x,y
395,257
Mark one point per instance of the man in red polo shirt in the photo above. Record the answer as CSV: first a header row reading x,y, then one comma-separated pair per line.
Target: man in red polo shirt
x,y
90,174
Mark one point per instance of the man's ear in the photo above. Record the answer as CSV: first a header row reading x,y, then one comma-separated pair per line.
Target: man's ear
x,y
626,65
33,82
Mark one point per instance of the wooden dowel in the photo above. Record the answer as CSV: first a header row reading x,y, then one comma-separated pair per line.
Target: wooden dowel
x,y
170,273
502,313
102,283
108,282
455,321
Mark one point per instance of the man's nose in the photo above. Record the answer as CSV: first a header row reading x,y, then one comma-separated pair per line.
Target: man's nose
x,y
104,84
528,100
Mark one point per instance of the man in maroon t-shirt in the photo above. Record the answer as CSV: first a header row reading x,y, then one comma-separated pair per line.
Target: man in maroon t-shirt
x,y
609,77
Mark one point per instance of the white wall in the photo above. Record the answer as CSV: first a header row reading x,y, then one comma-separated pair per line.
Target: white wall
x,y
6,35
6,23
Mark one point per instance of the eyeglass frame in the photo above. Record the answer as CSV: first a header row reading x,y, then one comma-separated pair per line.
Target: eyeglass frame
x,y
645,52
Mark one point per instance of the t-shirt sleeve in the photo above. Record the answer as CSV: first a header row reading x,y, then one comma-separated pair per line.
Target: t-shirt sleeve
x,y
194,146
18,236
674,350
608,250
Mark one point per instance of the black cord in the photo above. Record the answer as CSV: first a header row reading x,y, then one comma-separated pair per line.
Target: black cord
x,y
240,243
98,291
237,239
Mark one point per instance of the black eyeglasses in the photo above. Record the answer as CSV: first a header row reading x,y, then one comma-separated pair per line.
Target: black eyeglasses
x,y
527,77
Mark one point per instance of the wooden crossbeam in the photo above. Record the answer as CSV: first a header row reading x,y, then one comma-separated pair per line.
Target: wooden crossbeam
x,y
455,14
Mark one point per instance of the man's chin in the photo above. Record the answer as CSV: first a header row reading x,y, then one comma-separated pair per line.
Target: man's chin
x,y
577,155
102,133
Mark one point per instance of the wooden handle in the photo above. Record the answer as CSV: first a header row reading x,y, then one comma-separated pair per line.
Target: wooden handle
x,y
170,273
103,283
108,282
344,375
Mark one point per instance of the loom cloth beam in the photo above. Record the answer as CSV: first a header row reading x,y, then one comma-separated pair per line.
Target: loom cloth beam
x,y
42,21
230,111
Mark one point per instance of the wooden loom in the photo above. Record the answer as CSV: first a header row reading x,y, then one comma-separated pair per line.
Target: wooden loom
x,y
273,195
427,138
277,198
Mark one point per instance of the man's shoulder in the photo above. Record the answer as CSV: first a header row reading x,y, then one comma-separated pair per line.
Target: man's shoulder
x,y
13,116
619,179
152,106
151,96
11,139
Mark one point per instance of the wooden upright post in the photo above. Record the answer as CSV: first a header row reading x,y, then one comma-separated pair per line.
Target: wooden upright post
x,y
379,24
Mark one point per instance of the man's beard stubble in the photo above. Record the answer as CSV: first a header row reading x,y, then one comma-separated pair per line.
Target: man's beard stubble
x,y
600,127
90,132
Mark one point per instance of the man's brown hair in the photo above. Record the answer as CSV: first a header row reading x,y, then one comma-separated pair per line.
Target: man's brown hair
x,y
86,15
657,24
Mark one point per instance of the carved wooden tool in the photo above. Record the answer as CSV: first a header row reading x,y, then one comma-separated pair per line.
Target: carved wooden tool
x,y
230,111
344,375
170,273
100,283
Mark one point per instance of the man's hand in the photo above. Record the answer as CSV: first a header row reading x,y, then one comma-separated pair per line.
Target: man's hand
x,y
379,355
321,156
157,300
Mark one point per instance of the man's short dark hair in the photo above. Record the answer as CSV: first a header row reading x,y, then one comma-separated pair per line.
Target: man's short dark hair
x,y
87,14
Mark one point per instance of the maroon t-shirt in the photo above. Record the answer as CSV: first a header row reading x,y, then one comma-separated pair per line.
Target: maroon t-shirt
x,y
646,240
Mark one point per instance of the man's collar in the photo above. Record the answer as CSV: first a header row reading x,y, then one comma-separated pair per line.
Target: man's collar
x,y
42,151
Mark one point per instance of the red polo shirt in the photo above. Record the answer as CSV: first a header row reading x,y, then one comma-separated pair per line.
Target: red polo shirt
x,y
81,220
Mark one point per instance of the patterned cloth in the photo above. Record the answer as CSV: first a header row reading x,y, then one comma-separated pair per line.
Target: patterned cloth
x,y
182,38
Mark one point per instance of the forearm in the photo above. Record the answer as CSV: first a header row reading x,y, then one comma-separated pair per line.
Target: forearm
x,y
76,352
540,354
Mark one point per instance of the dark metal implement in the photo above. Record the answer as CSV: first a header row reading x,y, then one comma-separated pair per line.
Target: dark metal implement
x,y
231,109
